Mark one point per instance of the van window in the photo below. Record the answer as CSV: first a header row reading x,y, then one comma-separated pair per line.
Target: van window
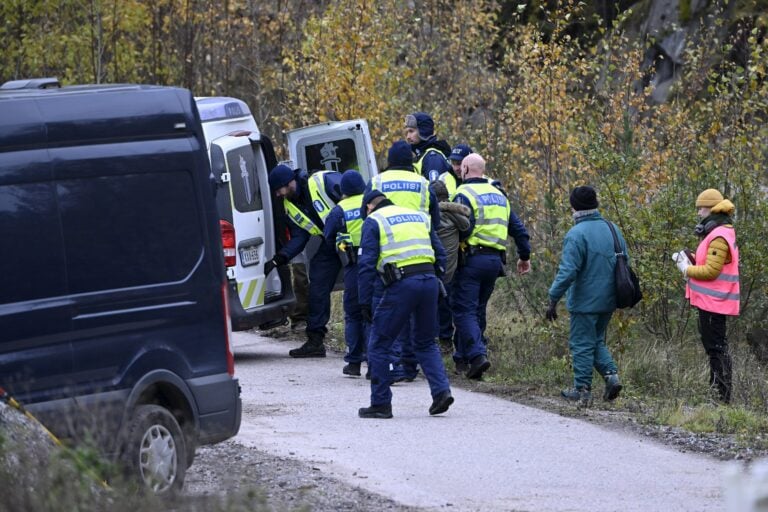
x,y
129,230
336,155
32,266
245,184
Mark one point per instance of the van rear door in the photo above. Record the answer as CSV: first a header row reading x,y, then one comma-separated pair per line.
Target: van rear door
x,y
333,146
234,161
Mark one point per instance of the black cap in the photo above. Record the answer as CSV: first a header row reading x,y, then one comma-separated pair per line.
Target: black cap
x,y
584,198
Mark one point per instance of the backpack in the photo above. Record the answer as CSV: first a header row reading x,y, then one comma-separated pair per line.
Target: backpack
x,y
628,291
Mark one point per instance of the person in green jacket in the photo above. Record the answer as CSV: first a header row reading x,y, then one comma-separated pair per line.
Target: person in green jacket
x,y
586,272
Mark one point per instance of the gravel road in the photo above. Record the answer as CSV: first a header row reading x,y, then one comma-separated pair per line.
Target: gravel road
x,y
302,444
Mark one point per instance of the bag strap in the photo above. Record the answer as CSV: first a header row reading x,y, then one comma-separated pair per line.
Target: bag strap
x,y
616,246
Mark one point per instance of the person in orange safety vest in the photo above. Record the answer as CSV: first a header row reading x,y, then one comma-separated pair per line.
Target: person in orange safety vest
x,y
713,283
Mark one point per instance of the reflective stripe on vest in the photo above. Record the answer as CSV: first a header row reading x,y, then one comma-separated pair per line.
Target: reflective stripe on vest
x,y
450,183
301,220
420,162
321,202
721,295
403,188
350,207
491,210
403,237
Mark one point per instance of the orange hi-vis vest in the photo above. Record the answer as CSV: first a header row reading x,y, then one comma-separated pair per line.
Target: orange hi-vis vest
x,y
720,295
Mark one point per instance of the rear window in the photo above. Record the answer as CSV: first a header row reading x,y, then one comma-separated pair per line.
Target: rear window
x,y
129,230
336,155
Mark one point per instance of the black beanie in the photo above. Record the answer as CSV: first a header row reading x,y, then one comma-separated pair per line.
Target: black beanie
x,y
584,198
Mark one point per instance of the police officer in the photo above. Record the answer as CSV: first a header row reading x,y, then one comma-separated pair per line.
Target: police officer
x,y
431,153
491,221
343,229
407,189
451,178
399,248
308,201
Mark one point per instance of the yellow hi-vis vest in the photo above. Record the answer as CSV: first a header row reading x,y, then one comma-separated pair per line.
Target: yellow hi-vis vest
x,y
350,207
450,182
403,237
491,210
320,202
404,188
417,165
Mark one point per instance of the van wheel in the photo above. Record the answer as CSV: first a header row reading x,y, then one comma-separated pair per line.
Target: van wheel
x,y
154,449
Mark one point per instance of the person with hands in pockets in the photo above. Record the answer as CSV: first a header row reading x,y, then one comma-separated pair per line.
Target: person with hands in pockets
x,y
713,283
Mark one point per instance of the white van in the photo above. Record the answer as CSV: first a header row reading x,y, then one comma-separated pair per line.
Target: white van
x,y
252,223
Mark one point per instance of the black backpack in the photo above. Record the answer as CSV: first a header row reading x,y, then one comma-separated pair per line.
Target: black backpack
x,y
627,284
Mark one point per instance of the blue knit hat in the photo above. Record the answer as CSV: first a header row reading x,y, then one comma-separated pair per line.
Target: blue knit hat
x,y
422,122
459,152
280,176
400,155
352,183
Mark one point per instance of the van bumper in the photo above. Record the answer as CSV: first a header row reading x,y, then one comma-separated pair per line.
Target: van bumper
x,y
270,312
219,406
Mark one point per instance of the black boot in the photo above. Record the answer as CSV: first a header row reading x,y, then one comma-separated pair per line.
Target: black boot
x,y
477,367
380,412
312,348
612,387
720,369
351,369
441,403
582,395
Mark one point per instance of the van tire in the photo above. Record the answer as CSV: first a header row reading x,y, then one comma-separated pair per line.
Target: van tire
x,y
154,449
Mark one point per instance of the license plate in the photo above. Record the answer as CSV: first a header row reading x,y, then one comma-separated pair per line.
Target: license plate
x,y
249,256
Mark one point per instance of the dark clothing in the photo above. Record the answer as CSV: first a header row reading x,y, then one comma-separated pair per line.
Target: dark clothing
x,y
303,201
413,295
588,348
454,218
433,164
712,327
471,289
515,227
324,267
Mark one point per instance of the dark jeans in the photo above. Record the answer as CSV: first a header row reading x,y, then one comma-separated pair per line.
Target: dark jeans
x,y
715,341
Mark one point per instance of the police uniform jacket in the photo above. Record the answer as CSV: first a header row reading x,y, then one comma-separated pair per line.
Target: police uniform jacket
x,y
303,201
369,256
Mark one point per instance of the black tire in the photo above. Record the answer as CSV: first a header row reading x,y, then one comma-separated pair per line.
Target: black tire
x,y
154,449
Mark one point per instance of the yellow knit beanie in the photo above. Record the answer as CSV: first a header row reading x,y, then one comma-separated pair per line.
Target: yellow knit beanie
x,y
709,198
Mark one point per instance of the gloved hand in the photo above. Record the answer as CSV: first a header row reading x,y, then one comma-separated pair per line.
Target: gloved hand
x,y
365,312
551,313
682,261
276,261
343,238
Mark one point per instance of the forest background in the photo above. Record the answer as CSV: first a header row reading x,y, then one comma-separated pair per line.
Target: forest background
x,y
552,94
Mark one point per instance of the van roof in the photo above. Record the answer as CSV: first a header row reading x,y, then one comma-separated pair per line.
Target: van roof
x,y
215,108
91,114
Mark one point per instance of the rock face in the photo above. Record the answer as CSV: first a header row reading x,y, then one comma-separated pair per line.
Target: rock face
x,y
20,435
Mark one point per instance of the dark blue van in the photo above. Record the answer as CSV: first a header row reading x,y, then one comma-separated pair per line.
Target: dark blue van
x,y
113,303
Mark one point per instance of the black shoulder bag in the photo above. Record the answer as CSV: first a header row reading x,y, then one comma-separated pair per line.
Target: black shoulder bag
x,y
627,284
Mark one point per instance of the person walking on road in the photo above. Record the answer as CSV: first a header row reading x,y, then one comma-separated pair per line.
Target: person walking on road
x,y
491,221
431,153
713,283
586,273
308,201
399,248
343,230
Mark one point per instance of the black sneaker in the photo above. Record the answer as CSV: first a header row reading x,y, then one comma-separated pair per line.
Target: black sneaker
x,y
478,367
308,350
441,403
612,387
351,369
380,412
583,395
